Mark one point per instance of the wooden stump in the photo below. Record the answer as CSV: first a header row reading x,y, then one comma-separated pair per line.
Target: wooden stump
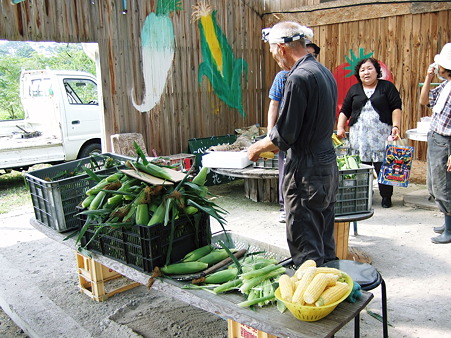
x,y
262,190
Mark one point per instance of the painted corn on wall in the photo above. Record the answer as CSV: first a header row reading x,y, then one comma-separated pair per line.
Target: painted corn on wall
x,y
405,36
170,69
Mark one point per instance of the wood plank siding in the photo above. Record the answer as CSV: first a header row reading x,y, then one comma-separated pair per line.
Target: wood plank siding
x,y
404,35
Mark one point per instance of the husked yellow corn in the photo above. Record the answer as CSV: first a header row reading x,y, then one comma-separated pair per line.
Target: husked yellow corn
x,y
331,279
324,269
332,294
267,155
307,264
316,288
286,287
302,284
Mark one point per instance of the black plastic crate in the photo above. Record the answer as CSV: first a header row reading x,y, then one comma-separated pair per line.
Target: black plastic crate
x,y
145,247
355,191
55,192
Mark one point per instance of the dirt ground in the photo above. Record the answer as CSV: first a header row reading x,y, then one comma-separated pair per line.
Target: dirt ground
x,y
417,274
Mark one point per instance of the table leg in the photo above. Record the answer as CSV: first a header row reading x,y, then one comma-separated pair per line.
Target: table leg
x,y
357,325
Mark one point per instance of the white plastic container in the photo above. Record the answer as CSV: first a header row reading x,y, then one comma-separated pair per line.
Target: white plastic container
x,y
226,159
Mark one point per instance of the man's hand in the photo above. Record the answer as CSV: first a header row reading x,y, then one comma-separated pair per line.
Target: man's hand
x,y
449,163
254,151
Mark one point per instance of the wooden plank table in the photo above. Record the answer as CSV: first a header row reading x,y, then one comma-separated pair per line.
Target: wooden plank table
x,y
266,319
260,185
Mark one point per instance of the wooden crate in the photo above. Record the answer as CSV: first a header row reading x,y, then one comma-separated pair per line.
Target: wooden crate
x,y
341,236
237,330
96,280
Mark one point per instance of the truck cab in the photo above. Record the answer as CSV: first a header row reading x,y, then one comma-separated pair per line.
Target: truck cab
x,y
62,119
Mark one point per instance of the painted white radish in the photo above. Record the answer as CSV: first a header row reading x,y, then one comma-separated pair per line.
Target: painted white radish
x,y
157,38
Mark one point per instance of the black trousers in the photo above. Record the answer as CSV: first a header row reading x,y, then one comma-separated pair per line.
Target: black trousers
x,y
384,190
310,193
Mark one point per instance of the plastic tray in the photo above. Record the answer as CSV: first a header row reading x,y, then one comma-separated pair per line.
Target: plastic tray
x,y
355,191
268,164
145,247
55,192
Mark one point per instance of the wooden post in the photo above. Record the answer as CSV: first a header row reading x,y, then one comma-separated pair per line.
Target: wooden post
x,y
341,236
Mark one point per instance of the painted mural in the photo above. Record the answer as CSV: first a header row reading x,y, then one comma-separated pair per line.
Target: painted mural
x,y
157,39
219,65
344,73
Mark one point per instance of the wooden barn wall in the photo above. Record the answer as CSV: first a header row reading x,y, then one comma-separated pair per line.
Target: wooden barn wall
x,y
187,108
404,36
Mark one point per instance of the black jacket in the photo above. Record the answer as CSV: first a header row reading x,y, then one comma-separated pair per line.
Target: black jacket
x,y
307,111
384,100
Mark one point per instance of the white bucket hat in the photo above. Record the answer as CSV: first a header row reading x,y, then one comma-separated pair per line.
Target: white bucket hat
x,y
444,58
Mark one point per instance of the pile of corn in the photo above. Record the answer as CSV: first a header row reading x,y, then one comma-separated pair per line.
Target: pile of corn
x,y
313,286
120,200
255,276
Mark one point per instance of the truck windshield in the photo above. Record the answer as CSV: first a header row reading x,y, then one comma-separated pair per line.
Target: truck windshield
x,y
81,91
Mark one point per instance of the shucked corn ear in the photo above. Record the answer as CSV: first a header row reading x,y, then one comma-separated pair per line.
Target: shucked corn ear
x,y
267,155
183,268
324,269
332,294
197,254
316,288
336,141
302,268
286,287
302,284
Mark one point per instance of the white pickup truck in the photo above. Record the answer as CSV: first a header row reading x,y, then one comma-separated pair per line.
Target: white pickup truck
x,y
62,120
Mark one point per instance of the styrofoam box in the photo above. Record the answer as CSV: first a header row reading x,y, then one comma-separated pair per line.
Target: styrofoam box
x,y
226,159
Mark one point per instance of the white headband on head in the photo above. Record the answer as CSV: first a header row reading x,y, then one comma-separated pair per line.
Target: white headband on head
x,y
283,39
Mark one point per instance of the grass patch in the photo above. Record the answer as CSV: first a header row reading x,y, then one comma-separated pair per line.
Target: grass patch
x,y
14,192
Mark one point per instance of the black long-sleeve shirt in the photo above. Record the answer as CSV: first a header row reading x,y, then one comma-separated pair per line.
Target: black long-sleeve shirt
x,y
307,117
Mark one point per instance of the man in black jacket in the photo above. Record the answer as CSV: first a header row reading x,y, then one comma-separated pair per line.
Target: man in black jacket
x,y
304,131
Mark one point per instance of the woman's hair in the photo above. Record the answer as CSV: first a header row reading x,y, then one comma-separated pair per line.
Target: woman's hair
x,y
361,62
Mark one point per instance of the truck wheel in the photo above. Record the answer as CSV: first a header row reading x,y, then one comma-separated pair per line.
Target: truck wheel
x,y
90,149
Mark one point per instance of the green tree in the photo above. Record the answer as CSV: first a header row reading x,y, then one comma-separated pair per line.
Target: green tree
x,y
10,106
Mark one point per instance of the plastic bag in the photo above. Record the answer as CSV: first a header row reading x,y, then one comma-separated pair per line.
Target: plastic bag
x,y
397,164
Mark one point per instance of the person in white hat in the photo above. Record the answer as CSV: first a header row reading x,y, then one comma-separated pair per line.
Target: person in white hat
x,y
439,139
303,130
275,95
